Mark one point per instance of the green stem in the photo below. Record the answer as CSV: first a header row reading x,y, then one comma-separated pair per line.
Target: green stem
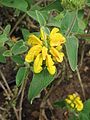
x,y
81,84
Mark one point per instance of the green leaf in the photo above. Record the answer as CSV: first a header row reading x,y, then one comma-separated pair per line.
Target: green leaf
x,y
19,48
18,59
25,33
83,116
19,4
34,16
7,53
60,104
56,5
54,22
10,43
88,2
7,29
38,83
2,59
46,30
72,51
40,18
21,75
3,39
86,109
67,22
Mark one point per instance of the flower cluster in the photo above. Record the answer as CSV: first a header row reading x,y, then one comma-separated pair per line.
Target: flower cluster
x,y
73,4
45,50
74,102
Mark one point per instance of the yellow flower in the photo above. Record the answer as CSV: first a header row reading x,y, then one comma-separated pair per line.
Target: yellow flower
x,y
57,55
46,48
34,40
72,105
38,63
34,51
79,104
56,38
44,52
74,102
68,101
50,65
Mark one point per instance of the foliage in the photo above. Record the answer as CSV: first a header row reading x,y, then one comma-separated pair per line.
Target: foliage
x,y
67,15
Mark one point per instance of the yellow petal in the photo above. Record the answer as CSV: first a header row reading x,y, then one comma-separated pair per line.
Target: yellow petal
x,y
54,30
79,105
71,97
43,34
34,40
74,95
78,102
72,105
44,52
50,65
57,55
51,70
35,50
29,58
68,101
59,47
38,64
56,38
79,108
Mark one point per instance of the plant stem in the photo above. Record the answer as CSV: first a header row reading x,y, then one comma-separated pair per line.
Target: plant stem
x,y
19,20
21,100
83,35
8,96
81,84
82,55
15,111
1,117
4,79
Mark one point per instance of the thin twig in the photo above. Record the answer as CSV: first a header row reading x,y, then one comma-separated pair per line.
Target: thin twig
x,y
8,96
81,84
21,100
82,55
1,117
4,79
84,35
1,28
19,20
3,109
15,111
19,92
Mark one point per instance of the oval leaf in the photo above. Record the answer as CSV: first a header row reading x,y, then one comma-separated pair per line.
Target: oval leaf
x,y
18,59
38,83
19,4
72,51
40,18
19,48
21,75
7,53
